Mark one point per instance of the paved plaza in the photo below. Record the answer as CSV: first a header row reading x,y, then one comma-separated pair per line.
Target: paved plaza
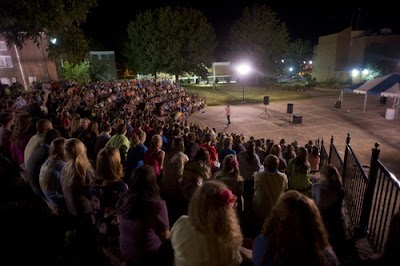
x,y
320,120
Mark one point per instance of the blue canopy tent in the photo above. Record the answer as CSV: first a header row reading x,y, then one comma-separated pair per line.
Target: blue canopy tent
x,y
387,86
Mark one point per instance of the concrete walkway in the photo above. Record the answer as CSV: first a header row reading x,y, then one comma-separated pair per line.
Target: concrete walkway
x,y
320,120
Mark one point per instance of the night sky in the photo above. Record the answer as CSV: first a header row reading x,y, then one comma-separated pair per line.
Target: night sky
x,y
107,23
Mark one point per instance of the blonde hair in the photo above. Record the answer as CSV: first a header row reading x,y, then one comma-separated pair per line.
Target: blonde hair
x,y
75,124
137,136
56,150
21,125
210,215
108,164
230,166
78,165
156,140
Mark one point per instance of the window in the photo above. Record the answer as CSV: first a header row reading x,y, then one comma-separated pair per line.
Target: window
x,y
106,56
5,62
5,81
32,79
3,46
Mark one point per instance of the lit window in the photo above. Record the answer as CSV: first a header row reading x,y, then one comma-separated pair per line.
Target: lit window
x,y
3,46
5,62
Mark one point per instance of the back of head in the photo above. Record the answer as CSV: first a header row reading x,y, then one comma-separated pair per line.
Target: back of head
x,y
177,145
271,162
211,212
295,224
137,136
74,148
6,117
144,183
250,146
108,164
43,125
51,135
121,129
230,164
207,137
227,142
106,127
56,150
191,136
143,190
78,165
276,150
156,140
202,155
331,174
22,124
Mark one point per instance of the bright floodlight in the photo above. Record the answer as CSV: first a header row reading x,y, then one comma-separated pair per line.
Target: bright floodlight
x,y
53,40
355,72
243,69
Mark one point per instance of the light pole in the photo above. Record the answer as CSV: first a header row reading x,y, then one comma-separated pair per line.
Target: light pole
x,y
243,70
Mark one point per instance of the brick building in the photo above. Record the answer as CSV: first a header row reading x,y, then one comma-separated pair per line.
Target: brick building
x,y
26,65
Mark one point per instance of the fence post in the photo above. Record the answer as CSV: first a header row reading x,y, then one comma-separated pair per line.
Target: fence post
x,y
346,154
330,150
369,193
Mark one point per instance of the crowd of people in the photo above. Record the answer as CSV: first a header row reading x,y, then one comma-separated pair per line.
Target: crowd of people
x,y
128,178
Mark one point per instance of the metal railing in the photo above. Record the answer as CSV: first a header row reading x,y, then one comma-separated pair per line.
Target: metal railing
x,y
371,198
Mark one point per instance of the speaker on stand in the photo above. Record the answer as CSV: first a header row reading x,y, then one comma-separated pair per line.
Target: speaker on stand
x,y
265,102
289,111
290,108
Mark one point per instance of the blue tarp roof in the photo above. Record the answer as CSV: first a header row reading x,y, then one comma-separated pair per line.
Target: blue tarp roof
x,y
388,85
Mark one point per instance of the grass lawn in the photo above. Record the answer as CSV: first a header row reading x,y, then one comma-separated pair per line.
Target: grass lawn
x,y
233,93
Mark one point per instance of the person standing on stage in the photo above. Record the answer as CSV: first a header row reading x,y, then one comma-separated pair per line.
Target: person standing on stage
x,y
228,113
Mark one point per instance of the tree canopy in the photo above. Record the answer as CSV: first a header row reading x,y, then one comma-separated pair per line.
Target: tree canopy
x,y
174,40
260,38
298,51
24,20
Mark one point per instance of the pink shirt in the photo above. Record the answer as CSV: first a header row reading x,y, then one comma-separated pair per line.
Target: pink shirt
x,y
228,110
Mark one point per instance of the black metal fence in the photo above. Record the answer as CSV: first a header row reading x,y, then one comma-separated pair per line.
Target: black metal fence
x,y
371,198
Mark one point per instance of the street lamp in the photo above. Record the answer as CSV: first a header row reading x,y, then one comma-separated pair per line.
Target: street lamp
x,y
243,70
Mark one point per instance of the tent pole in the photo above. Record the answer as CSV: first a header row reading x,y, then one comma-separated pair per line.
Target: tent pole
x,y
365,101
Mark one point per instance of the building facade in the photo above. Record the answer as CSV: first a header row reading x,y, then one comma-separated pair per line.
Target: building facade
x,y
26,65
337,55
105,62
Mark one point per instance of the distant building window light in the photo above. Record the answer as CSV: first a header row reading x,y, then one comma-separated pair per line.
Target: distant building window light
x,y
5,81
32,79
5,62
3,46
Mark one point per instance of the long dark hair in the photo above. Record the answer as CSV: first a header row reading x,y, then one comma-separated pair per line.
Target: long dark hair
x,y
143,191
295,225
